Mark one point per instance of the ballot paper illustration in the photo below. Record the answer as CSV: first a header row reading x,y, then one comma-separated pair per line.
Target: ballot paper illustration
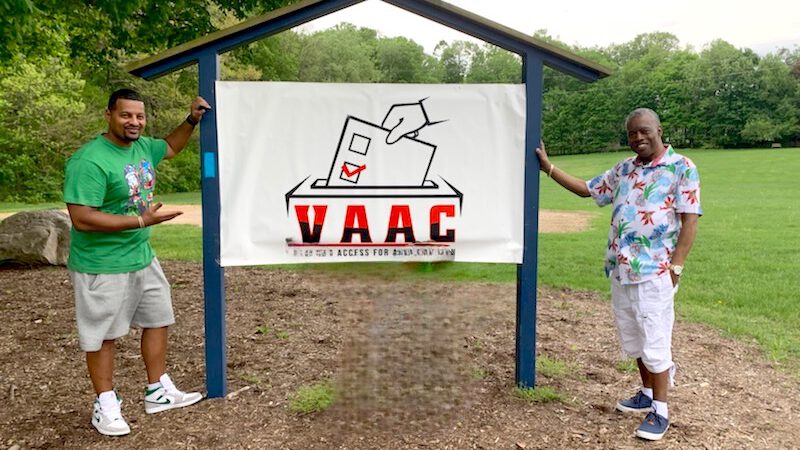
x,y
379,190
368,156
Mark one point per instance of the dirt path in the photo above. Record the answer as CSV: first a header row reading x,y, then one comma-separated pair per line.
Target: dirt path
x,y
417,365
549,221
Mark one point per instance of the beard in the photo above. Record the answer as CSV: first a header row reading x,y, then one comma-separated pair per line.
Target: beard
x,y
129,136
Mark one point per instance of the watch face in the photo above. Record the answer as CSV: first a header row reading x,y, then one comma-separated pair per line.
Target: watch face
x,y
677,270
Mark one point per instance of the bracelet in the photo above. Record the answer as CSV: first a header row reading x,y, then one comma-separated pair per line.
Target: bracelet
x,y
550,173
141,221
191,120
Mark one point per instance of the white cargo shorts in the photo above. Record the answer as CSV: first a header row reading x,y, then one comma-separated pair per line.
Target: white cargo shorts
x,y
108,305
644,313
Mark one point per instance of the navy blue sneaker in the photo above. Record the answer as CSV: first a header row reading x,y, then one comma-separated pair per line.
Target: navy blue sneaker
x,y
653,427
637,403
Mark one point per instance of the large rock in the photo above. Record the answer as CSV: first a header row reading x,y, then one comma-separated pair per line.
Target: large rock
x,y
35,237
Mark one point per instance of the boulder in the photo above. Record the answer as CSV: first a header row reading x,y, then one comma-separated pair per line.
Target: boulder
x,y
35,237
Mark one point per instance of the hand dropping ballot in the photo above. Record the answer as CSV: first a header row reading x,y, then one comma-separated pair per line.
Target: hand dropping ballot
x,y
371,155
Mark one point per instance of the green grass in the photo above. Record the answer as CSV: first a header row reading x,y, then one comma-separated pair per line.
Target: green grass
x,y
478,373
742,274
628,366
252,379
556,368
741,277
178,242
313,398
8,207
178,198
541,394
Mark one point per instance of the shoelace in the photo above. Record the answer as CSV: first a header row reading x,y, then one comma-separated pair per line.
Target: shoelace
x,y
637,399
654,419
113,412
169,386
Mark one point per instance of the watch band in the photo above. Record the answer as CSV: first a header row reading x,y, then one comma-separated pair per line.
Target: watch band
x,y
676,269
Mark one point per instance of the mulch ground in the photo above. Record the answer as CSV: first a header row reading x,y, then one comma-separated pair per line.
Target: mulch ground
x,y
422,365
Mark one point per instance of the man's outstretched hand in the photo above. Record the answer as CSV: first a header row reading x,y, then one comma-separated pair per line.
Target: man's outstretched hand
x,y
153,215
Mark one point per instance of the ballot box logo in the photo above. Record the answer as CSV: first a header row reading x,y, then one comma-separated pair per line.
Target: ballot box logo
x,y
378,191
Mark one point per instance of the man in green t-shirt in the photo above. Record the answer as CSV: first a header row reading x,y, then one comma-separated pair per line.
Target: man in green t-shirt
x,y
118,282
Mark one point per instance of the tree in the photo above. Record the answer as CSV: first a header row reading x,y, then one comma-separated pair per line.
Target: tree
x,y
340,54
41,118
726,81
492,64
401,60
454,60
775,117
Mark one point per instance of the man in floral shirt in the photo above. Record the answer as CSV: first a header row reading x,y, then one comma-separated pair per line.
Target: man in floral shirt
x,y
656,203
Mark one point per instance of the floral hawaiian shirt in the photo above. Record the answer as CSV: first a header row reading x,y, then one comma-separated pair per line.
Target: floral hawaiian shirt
x,y
647,198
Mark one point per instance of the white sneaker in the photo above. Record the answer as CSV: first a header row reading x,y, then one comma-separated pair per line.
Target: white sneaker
x,y
109,421
167,396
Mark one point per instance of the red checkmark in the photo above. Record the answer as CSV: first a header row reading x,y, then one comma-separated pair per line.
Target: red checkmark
x,y
355,171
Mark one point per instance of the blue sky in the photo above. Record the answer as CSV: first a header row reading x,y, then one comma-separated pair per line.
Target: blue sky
x,y
762,25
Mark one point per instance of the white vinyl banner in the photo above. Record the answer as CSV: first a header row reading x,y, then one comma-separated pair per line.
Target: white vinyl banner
x,y
313,172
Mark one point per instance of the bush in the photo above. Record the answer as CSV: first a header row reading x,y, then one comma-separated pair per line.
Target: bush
x,y
40,105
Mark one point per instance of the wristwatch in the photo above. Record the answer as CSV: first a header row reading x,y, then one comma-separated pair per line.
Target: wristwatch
x,y
676,269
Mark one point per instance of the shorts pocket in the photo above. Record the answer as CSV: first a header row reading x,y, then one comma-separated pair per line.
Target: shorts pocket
x,y
93,281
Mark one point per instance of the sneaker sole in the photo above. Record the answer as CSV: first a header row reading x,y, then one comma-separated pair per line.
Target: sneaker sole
x,y
651,436
628,409
167,407
110,433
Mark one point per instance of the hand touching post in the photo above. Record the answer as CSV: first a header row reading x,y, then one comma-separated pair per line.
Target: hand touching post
x,y
573,184
196,110
544,162
177,140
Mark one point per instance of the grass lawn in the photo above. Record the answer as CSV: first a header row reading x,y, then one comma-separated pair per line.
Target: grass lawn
x,y
743,273
742,277
178,198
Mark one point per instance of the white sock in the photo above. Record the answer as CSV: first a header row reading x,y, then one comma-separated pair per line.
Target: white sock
x,y
153,386
108,401
648,392
661,409
166,381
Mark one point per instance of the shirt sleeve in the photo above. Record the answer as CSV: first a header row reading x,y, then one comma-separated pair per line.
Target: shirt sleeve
x,y
84,183
688,195
158,150
602,187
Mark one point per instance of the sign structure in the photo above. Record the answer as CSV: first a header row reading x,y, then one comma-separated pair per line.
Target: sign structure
x,y
314,172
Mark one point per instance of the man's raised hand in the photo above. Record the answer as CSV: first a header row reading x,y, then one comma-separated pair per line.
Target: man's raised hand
x,y
198,108
544,161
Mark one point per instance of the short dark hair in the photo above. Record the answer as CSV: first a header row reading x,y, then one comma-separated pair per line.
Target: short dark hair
x,y
642,112
126,94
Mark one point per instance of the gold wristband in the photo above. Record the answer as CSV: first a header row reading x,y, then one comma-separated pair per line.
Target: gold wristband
x,y
550,173
141,221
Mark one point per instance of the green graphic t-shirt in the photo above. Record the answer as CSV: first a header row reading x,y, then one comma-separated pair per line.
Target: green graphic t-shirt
x,y
115,180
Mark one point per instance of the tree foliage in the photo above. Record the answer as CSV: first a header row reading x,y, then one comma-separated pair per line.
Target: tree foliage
x,y
61,59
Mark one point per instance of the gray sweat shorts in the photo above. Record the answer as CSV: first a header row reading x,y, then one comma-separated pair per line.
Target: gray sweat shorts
x,y
108,305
